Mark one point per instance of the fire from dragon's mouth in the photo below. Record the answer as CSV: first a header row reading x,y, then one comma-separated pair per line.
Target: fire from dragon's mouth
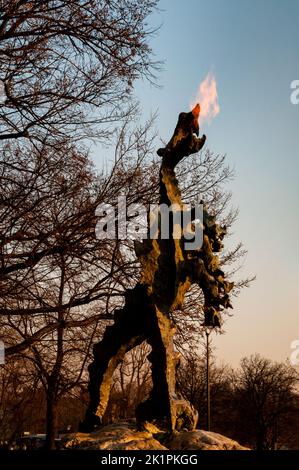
x,y
207,96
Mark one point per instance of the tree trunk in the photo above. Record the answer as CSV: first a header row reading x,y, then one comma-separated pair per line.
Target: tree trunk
x,y
51,422
261,443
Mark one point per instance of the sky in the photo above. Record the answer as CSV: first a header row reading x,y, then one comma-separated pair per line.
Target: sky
x,y
252,47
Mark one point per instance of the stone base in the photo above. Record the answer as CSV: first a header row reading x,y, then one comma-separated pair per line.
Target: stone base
x,y
126,436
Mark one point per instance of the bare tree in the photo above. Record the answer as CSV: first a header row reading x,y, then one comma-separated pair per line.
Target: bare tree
x,y
49,201
68,66
67,71
18,390
192,383
131,384
52,264
265,393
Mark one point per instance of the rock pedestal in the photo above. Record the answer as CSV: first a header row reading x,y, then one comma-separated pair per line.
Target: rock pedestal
x,y
127,436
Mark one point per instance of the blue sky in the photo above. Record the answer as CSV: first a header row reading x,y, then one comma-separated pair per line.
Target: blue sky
x,y
253,49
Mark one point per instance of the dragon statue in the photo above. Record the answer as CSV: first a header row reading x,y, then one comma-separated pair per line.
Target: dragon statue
x,y
167,272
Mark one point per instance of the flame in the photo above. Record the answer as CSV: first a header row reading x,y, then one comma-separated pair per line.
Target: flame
x,y
208,98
